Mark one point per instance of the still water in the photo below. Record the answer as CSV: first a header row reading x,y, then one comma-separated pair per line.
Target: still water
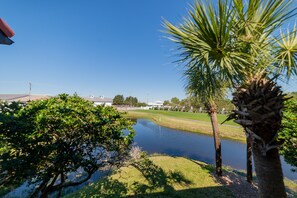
x,y
153,138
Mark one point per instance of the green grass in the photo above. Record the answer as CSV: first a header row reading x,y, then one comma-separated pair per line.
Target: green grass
x,y
188,115
291,187
158,176
193,122
165,176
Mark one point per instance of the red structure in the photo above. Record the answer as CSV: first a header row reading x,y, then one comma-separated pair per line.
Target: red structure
x,y
5,33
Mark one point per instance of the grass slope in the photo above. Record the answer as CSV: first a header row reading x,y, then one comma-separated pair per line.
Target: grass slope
x,y
169,177
158,176
188,115
193,122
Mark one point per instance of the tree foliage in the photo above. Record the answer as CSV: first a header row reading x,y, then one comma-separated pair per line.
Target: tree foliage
x,y
289,134
175,101
130,100
166,103
46,140
118,100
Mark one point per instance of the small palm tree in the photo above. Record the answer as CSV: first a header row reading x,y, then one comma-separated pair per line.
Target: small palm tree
x,y
232,44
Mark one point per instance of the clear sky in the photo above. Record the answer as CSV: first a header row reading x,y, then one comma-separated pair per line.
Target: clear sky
x,y
93,47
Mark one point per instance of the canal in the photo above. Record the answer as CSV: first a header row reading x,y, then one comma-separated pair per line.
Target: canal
x,y
153,138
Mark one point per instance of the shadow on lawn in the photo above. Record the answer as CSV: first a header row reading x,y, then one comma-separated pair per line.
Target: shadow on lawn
x,y
235,181
156,180
156,177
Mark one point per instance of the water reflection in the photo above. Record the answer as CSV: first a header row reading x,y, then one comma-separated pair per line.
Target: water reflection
x,y
156,139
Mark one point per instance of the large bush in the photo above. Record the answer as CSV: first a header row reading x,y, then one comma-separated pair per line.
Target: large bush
x,y
289,133
46,140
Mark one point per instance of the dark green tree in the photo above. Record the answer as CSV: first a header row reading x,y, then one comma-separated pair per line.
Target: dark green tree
x,y
225,103
130,100
195,103
166,103
288,134
46,140
175,101
118,100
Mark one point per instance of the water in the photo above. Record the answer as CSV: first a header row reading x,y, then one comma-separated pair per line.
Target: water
x,y
153,138
156,139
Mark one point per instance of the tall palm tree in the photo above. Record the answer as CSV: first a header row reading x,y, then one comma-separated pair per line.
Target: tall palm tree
x,y
209,61
209,102
233,43
258,99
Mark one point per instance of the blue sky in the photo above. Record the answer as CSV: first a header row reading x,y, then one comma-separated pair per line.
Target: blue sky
x,y
93,48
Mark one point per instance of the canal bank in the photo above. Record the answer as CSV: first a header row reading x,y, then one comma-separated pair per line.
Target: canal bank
x,y
153,138
191,122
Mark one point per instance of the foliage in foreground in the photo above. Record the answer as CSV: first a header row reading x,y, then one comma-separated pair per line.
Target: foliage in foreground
x,y
289,134
46,140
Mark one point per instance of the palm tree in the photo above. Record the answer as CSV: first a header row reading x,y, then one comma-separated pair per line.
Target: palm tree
x,y
233,44
209,62
258,99
210,105
249,160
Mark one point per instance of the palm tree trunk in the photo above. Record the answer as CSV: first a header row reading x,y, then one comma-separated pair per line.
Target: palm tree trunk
x,y
216,135
268,168
249,162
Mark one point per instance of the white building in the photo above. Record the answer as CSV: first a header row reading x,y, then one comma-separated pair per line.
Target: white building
x,y
155,104
99,100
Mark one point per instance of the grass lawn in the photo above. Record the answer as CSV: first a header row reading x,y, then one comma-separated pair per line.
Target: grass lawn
x,y
165,176
188,115
158,176
193,122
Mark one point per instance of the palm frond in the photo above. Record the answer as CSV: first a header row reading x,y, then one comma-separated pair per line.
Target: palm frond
x,y
255,24
286,53
231,41
260,17
205,47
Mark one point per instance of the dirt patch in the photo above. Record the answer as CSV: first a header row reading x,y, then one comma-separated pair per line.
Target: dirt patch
x,y
238,185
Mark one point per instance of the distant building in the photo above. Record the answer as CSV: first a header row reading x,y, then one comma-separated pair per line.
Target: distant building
x,y
155,104
99,100
24,98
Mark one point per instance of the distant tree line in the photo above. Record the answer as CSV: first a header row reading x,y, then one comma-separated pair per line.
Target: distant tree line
x,y
130,101
193,104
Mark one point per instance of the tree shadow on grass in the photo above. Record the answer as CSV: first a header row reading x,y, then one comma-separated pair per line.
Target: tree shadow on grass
x,y
213,192
157,178
158,184
106,188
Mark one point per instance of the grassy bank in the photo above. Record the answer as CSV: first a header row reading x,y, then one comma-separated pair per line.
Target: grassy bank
x,y
193,122
159,176
187,115
164,176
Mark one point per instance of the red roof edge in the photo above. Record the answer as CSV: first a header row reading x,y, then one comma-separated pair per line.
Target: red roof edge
x,y
6,29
